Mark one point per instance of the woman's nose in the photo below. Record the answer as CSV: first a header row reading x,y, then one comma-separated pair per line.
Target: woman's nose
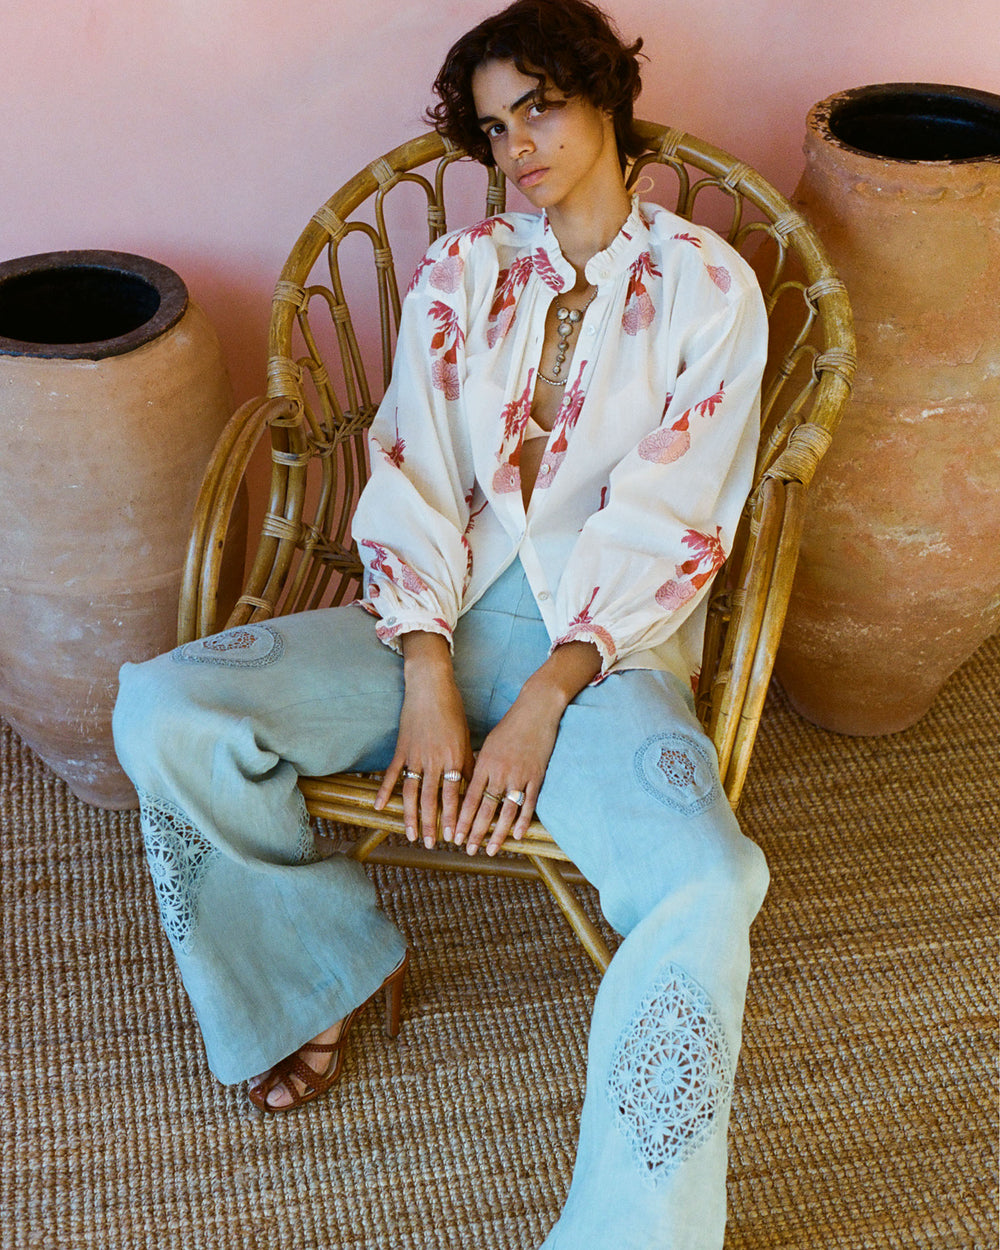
x,y
518,141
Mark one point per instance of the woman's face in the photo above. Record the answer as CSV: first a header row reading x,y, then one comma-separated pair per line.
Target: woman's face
x,y
558,151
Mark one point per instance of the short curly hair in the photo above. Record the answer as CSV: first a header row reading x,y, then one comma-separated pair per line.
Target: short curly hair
x,y
569,42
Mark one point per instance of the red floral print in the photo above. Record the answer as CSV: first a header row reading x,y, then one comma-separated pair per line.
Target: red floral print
x,y
445,343
515,417
565,422
406,577
639,311
465,538
664,446
692,574
510,283
721,276
395,453
688,238
446,275
424,263
545,269
583,623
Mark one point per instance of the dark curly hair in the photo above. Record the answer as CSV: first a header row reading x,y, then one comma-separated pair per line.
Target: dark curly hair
x,y
570,42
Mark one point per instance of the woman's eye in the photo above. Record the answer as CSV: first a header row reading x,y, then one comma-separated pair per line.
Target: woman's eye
x,y
494,131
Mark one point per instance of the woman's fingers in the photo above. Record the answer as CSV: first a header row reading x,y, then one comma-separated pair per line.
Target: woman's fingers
x,y
515,817
412,778
451,793
512,808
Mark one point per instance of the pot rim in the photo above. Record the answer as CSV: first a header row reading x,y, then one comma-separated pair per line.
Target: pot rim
x,y
985,103
169,286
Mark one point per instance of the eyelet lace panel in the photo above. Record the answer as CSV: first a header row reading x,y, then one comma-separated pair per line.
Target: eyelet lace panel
x,y
678,771
671,1073
179,856
244,646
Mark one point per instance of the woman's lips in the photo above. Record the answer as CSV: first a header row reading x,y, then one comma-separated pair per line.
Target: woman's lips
x,y
531,176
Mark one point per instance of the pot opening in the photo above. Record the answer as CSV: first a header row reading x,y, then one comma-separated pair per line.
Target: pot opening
x,y
76,304
913,122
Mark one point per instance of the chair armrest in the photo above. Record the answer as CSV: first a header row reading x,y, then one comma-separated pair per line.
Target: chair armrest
x,y
214,511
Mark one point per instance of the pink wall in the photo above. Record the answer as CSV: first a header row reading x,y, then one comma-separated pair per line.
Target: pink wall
x,y
204,133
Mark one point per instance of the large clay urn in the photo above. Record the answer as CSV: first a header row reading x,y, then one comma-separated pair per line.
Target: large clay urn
x,y
899,575
112,393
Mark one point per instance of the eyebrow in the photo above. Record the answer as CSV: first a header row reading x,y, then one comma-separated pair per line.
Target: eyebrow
x,y
533,94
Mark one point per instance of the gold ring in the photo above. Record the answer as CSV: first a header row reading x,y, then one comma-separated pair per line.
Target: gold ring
x,y
515,796
495,797
408,772
452,775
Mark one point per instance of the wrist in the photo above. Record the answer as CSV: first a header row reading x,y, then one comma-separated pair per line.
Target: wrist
x,y
425,654
569,668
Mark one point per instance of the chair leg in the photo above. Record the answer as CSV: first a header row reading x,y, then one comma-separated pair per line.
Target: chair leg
x,y
569,905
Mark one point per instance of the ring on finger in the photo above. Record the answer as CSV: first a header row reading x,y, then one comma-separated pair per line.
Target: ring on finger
x,y
515,796
452,774
487,794
411,775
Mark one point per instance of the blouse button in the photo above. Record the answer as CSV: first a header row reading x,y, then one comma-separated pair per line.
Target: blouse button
x,y
543,595
546,468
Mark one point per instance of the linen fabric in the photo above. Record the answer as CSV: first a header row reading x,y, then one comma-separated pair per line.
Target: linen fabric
x,y
649,462
273,945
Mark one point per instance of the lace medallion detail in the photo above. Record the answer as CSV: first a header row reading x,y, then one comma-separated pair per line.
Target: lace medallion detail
x,y
245,646
678,771
179,856
671,1073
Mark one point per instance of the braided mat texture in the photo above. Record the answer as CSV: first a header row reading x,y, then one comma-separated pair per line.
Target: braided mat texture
x,y
865,1114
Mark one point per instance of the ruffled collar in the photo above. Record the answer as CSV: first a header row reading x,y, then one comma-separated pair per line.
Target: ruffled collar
x,y
555,270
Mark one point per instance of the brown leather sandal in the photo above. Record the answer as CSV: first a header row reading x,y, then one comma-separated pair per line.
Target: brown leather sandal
x,y
317,1083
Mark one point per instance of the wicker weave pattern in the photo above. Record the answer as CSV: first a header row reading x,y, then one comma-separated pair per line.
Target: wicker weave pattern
x,y
320,400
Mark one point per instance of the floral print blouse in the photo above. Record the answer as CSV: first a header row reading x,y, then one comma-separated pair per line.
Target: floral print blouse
x,y
646,469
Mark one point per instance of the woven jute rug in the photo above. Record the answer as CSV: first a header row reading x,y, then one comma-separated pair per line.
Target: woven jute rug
x,y
865,1113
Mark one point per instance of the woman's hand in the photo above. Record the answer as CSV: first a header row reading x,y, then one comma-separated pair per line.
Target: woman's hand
x,y
516,753
433,751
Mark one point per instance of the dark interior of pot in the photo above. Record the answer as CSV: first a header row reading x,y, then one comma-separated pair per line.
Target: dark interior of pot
x,y
917,123
78,304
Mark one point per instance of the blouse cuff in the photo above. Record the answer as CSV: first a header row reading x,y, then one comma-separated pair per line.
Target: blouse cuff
x,y
601,639
391,628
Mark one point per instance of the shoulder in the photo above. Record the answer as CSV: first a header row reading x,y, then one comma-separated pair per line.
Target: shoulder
x,y
474,253
696,256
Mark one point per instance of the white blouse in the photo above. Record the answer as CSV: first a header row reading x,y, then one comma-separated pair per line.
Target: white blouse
x,y
648,464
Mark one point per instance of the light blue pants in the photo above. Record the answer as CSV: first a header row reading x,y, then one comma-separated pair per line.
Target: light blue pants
x,y
273,946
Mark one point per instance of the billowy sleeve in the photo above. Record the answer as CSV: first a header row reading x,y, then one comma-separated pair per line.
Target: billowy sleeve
x,y
643,562
410,521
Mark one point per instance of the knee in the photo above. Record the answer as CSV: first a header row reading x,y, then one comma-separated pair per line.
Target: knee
x,y
148,714
709,867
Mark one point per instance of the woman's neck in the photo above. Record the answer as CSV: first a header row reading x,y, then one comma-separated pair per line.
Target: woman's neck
x,y
584,229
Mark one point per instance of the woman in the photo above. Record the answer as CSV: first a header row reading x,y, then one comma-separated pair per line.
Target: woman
x,y
558,468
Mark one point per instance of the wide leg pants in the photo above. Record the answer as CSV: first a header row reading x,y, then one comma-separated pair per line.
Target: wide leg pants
x,y
274,945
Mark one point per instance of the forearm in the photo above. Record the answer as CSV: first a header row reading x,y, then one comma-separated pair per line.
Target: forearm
x,y
556,683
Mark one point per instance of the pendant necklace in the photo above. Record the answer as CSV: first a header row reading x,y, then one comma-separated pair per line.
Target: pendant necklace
x,y
567,320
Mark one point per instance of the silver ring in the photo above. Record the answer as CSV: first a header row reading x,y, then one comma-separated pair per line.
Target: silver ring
x,y
452,775
515,796
495,797
408,772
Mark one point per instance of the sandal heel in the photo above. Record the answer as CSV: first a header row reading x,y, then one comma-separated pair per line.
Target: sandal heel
x,y
394,995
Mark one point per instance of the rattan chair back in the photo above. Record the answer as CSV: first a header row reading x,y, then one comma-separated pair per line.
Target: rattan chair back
x,y
326,374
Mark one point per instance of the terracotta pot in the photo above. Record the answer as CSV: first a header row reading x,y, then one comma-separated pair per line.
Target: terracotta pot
x,y
112,393
899,576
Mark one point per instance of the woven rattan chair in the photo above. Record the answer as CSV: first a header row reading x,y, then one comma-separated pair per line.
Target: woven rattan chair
x,y
320,400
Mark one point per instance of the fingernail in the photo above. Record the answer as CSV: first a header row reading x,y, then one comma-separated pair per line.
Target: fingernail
x,y
429,843
411,834
447,835
491,849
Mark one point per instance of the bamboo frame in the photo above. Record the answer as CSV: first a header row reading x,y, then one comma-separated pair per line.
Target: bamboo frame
x,y
304,558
